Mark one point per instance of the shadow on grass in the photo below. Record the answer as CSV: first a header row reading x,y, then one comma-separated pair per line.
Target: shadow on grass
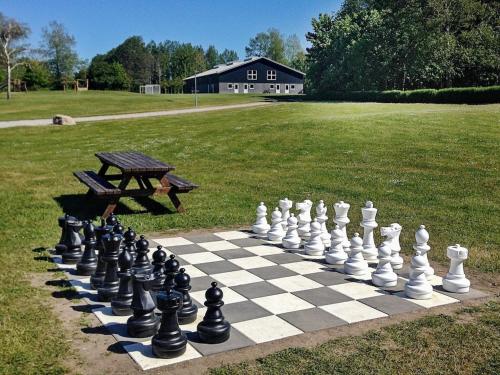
x,y
83,207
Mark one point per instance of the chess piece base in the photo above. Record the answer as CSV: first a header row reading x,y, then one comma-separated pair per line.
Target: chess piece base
x,y
122,307
168,348
386,281
72,257
355,270
291,245
60,248
335,258
214,334
313,252
417,293
187,315
461,285
107,292
370,254
144,326
85,269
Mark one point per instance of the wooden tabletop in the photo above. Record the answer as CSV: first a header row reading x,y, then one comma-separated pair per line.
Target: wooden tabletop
x,y
130,162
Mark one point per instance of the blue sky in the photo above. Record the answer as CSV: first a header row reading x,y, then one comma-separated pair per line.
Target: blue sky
x,y
100,25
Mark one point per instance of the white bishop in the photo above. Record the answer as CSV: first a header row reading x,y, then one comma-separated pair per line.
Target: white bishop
x,y
421,238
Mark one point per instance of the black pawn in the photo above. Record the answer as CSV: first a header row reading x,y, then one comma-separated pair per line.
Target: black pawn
x,y
159,257
112,220
61,247
88,263
144,322
142,263
118,229
97,278
171,269
121,303
73,242
169,341
187,313
109,287
214,328
129,240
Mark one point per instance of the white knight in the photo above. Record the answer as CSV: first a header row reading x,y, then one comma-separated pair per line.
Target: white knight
x,y
392,233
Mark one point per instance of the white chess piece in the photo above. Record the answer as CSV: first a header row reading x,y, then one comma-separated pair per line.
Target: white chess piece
x,y
341,219
276,233
336,254
261,227
391,233
355,264
322,219
304,218
292,239
369,224
418,287
455,280
421,238
315,244
285,205
384,276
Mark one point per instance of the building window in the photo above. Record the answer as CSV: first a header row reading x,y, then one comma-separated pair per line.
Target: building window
x,y
229,86
251,86
292,87
271,75
251,75
271,86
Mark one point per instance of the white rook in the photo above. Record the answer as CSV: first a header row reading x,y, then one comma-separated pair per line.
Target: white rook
x,y
369,224
455,280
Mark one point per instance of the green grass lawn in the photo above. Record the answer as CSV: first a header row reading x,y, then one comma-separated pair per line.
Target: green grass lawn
x,y
430,164
45,104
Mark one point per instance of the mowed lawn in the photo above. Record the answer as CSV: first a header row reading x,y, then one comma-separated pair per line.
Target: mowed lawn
x,y
45,104
419,163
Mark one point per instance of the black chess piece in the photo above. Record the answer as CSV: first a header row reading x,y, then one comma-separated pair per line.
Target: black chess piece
x,y
188,311
88,263
142,263
144,322
171,269
61,246
112,220
118,229
129,240
121,304
73,242
214,329
97,278
109,287
159,257
170,341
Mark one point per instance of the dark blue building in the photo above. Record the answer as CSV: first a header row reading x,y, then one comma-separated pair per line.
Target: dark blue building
x,y
258,75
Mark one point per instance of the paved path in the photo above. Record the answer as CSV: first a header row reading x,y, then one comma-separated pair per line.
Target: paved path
x,y
41,122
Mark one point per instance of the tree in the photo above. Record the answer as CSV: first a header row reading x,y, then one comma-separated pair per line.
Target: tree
x,y
293,49
268,44
107,75
58,46
36,75
258,45
211,56
228,55
12,34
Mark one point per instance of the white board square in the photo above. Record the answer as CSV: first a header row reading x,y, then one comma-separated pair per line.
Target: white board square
x,y
172,241
252,262
266,329
142,354
232,235
192,271
295,283
106,316
262,250
282,303
437,299
236,278
353,311
305,267
358,290
218,245
82,285
230,296
198,258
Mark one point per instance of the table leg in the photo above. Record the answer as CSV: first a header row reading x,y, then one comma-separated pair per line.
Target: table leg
x,y
114,202
175,200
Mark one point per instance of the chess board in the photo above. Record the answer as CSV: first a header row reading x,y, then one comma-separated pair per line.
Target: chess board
x,y
270,293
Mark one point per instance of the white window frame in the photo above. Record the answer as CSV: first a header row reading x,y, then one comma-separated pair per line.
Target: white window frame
x,y
252,75
251,87
229,86
271,75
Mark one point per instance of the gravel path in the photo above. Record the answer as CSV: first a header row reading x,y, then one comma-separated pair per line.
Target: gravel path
x,y
42,122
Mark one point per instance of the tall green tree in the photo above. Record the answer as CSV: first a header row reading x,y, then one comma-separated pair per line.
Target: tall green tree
x,y
211,56
58,47
227,55
12,35
271,44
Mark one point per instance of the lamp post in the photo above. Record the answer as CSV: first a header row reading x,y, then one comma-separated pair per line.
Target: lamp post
x,y
195,92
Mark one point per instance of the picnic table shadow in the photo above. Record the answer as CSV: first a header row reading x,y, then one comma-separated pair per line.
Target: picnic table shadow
x,y
83,207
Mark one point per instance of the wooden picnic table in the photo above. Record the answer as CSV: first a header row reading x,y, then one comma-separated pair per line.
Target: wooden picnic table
x,y
137,166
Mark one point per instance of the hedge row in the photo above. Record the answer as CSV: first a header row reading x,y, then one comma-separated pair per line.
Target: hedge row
x,y
465,95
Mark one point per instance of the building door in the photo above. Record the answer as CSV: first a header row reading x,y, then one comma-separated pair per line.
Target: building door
x,y
245,88
287,89
278,89
236,88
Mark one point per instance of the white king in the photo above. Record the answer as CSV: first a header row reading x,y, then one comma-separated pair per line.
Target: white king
x,y
341,219
369,213
455,280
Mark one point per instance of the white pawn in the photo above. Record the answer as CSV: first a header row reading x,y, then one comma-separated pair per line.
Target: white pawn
x,y
315,244
336,254
304,218
261,227
455,280
421,238
322,219
355,264
341,219
292,239
285,206
369,224
384,276
276,233
418,287
391,233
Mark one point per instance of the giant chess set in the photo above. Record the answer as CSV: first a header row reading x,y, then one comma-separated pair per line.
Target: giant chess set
x,y
204,294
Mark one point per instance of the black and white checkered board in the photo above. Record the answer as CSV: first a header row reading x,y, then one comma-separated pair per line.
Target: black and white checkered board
x,y
269,293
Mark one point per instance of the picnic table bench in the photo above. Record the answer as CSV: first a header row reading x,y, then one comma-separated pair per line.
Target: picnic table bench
x,y
137,166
